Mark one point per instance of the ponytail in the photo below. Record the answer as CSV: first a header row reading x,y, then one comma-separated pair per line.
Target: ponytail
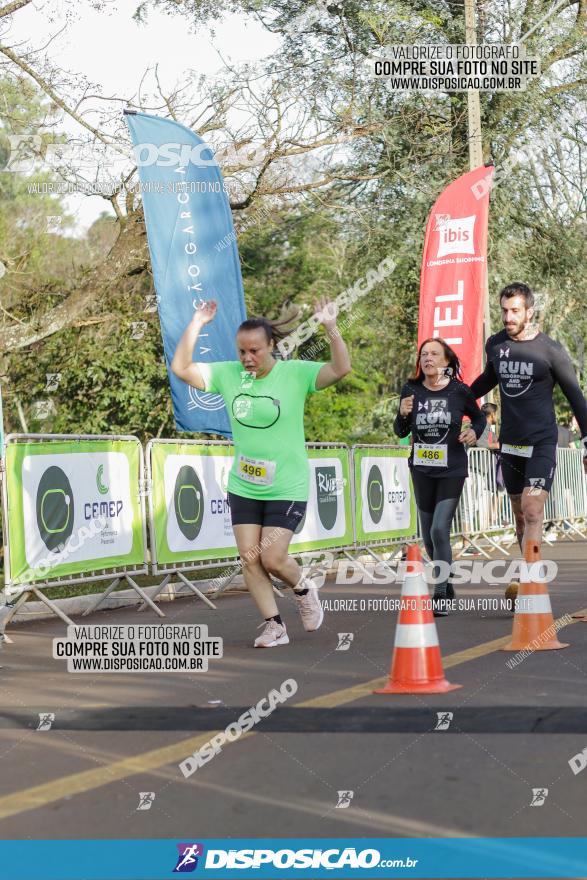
x,y
277,328
272,332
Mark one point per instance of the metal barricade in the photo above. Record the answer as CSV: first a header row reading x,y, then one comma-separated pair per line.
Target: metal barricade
x,y
485,512
192,557
483,519
566,506
164,560
22,520
366,538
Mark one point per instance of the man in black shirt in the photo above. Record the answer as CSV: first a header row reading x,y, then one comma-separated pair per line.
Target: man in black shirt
x,y
526,364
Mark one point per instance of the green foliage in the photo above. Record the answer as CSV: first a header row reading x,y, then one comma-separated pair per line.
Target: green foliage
x,y
109,383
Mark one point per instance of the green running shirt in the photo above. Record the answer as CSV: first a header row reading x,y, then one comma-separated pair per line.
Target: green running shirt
x,y
267,422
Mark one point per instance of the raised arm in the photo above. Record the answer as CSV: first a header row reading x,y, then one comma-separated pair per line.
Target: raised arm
x,y
340,363
182,364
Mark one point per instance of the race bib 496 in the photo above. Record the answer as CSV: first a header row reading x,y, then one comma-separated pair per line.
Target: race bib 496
x,y
256,470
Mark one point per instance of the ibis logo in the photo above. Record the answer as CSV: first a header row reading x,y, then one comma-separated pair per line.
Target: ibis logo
x,y
188,500
457,236
54,508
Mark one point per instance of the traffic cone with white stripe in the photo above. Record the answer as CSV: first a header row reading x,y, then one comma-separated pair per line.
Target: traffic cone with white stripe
x,y
533,621
416,666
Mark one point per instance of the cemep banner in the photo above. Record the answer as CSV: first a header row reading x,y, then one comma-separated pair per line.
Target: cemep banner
x,y
190,514
193,254
73,508
384,502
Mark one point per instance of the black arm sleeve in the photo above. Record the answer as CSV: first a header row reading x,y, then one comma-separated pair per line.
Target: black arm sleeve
x,y
478,419
564,374
403,424
485,382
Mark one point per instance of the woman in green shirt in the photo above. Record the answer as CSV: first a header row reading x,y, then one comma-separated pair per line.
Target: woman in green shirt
x,y
268,482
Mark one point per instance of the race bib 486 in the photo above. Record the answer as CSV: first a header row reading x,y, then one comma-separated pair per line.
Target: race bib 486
x,y
431,454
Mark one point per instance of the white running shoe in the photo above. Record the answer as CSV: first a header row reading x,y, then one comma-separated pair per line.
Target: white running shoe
x,y
273,635
310,609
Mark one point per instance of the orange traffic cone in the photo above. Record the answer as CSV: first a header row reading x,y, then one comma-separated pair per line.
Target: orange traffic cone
x,y
533,621
416,666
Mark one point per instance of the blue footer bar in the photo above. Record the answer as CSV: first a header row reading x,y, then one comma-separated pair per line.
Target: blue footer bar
x,y
274,859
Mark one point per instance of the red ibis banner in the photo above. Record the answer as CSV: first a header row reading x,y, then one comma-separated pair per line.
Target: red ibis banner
x,y
454,267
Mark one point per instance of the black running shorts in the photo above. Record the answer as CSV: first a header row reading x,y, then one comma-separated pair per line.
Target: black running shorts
x,y
256,511
535,471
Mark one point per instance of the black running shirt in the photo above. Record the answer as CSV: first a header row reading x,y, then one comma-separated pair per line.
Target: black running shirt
x,y
526,373
435,423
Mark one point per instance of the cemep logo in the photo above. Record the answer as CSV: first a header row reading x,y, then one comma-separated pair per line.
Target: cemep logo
x,y
188,499
54,508
326,497
102,489
187,860
375,493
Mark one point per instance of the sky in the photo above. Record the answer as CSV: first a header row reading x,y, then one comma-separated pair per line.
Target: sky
x,y
112,50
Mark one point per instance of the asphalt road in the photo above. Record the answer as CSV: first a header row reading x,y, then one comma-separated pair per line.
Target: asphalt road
x,y
117,735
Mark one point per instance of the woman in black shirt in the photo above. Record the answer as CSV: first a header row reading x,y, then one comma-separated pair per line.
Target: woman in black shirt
x,y
432,407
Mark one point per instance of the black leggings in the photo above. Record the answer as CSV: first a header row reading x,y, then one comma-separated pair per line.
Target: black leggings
x,y
437,500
